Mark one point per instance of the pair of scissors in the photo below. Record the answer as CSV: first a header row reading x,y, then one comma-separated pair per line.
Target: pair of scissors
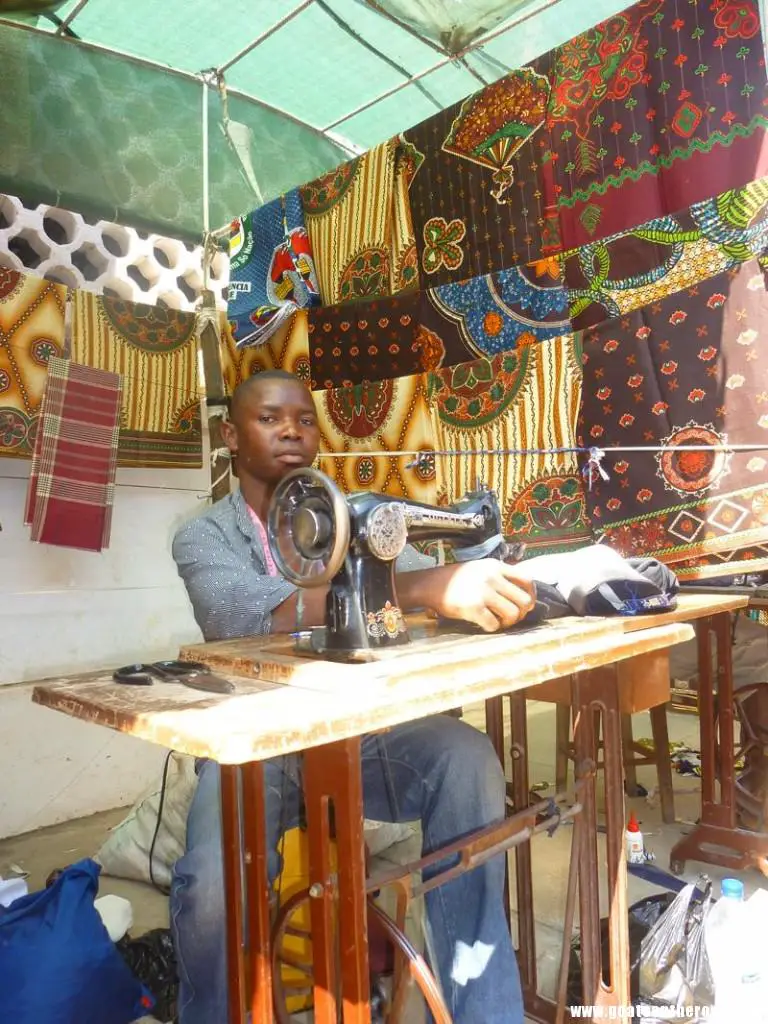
x,y
193,674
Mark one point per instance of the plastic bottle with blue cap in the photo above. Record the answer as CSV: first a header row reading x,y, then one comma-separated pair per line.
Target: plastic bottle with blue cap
x,y
737,952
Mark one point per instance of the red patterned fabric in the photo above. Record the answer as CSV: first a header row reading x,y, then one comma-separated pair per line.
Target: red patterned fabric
x,y
658,107
687,375
71,486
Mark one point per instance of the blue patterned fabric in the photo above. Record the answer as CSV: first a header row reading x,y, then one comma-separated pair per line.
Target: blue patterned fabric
x,y
498,312
272,270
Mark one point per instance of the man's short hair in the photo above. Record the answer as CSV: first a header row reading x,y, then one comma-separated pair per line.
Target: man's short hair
x,y
245,387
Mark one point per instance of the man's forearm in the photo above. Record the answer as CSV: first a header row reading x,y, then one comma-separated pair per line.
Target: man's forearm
x,y
422,588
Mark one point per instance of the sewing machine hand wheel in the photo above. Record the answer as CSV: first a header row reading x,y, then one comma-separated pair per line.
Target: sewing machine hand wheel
x,y
308,528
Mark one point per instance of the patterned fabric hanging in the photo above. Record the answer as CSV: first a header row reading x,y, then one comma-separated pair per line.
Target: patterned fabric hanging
x,y
390,415
31,331
527,399
481,195
272,270
624,272
489,315
685,371
372,340
155,351
360,227
72,480
287,349
656,108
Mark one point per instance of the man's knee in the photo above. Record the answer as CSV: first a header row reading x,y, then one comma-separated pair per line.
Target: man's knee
x,y
471,764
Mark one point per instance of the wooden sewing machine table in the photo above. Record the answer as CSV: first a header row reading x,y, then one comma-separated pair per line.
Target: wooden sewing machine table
x,y
286,703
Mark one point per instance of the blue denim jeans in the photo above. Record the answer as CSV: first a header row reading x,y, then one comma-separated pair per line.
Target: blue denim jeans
x,y
442,773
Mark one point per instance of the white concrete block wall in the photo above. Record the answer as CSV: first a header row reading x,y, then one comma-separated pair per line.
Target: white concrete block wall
x,y
64,611
106,258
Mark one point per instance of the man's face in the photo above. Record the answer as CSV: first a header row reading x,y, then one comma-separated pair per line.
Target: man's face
x,y
274,430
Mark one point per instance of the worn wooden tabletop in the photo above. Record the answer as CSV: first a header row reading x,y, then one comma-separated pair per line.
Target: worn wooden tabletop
x,y
286,702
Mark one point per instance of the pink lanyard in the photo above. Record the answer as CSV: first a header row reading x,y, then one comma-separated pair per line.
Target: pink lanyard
x,y
271,567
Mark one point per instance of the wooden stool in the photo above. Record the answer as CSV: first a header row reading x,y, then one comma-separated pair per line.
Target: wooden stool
x,y
644,687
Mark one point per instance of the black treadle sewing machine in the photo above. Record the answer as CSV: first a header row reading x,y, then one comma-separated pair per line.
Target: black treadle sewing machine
x,y
319,536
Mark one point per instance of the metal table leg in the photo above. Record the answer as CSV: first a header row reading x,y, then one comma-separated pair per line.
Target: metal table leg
x,y
717,839
597,691
332,777
246,887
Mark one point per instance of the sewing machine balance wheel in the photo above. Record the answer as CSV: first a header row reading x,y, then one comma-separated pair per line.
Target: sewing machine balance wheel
x,y
308,527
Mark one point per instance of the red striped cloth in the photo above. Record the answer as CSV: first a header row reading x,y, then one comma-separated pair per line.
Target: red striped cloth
x,y
72,481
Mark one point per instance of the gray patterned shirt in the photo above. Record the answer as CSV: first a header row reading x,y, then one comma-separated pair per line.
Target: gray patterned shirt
x,y
221,560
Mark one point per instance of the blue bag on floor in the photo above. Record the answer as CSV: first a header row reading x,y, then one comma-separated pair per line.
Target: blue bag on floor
x,y
58,964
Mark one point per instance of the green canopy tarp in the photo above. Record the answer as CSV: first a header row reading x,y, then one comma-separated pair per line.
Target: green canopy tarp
x,y
111,123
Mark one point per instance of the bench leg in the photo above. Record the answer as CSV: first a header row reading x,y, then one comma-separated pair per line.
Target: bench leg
x,y
562,745
663,763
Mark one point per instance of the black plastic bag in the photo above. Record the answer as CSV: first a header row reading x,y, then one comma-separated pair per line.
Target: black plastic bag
x,y
152,958
674,966
642,916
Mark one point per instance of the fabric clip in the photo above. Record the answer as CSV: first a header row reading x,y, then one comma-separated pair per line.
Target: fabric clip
x,y
424,462
594,467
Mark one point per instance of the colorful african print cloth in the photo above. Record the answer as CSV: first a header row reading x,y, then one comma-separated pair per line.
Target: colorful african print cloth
x,y
488,315
654,109
31,331
521,400
272,269
373,340
686,374
154,350
72,481
618,274
287,349
389,416
359,223
482,195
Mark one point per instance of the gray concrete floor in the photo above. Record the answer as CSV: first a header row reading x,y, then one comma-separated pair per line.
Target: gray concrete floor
x,y
41,852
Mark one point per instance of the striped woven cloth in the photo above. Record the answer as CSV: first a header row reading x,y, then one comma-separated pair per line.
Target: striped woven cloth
x,y
72,480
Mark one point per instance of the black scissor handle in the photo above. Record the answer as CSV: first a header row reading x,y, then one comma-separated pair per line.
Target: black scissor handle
x,y
134,675
180,668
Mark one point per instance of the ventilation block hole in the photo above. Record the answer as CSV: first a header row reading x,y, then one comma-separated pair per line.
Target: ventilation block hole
x,y
60,226
8,212
90,262
138,278
28,249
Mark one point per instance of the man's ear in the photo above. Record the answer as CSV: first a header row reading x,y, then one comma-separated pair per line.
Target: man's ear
x,y
229,436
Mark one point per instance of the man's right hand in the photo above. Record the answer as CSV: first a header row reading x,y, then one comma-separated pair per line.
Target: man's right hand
x,y
486,592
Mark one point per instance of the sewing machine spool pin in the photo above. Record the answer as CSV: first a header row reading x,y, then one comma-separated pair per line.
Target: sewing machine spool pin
x,y
318,536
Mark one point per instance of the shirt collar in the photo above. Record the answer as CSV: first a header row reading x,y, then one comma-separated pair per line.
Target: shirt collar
x,y
244,521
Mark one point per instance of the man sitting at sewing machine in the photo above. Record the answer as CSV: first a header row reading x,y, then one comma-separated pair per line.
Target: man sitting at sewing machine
x,y
438,771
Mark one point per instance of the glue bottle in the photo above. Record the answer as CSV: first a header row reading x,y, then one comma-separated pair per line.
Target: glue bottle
x,y
635,844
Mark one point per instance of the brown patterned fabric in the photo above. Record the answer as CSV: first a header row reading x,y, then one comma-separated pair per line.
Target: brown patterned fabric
x,y
349,344
685,371
482,197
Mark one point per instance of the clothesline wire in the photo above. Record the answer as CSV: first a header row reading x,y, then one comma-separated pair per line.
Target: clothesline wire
x,y
606,450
